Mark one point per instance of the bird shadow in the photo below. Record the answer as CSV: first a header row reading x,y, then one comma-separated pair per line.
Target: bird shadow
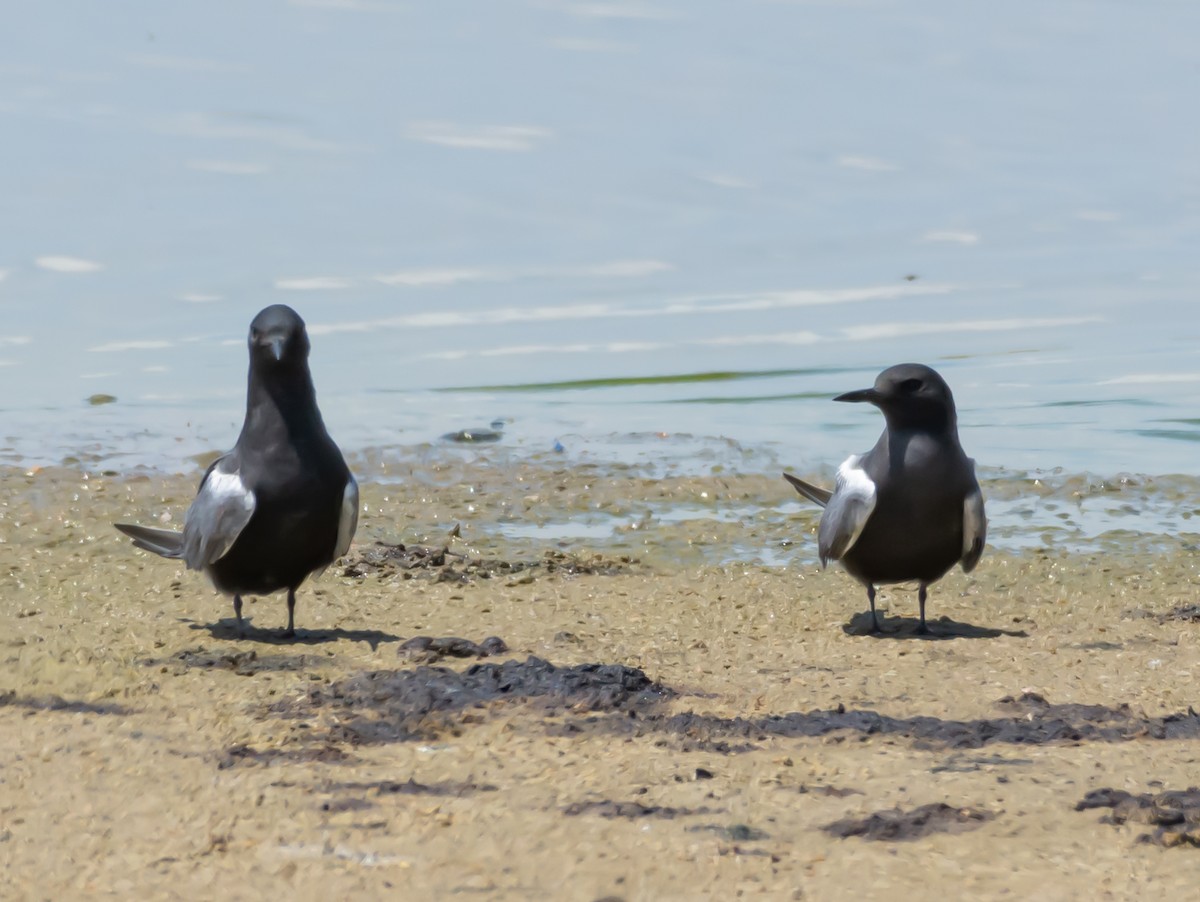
x,y
227,628
33,703
907,628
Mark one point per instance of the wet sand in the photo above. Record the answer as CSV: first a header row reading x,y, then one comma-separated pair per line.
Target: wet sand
x,y
740,710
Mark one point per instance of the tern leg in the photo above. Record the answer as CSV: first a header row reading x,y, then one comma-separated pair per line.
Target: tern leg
x,y
237,612
921,627
291,629
875,627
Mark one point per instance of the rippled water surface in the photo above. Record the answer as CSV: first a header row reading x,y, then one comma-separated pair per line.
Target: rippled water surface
x,y
658,234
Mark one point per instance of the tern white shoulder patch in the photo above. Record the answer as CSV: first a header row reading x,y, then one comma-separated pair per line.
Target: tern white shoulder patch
x,y
348,522
853,480
217,516
847,512
225,487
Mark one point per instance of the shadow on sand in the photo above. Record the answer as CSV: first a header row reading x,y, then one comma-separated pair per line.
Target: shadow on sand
x,y
906,628
58,703
227,628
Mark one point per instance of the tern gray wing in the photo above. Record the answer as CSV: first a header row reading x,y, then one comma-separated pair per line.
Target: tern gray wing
x,y
347,524
846,514
974,529
221,510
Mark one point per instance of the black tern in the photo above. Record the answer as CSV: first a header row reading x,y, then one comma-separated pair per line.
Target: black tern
x,y
282,504
910,508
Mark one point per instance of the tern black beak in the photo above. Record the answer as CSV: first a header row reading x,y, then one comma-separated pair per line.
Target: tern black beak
x,y
276,345
863,394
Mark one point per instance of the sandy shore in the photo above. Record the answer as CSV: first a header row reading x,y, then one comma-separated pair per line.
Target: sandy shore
x,y
147,748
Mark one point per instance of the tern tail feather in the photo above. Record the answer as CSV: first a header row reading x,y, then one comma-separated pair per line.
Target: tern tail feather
x,y
163,542
811,492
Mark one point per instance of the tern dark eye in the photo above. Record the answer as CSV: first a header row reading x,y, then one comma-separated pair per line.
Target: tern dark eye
x,y
910,386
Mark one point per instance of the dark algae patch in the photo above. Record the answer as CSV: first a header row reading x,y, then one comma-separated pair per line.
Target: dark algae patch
x,y
1174,814
616,700
1034,721
392,705
1029,720
898,826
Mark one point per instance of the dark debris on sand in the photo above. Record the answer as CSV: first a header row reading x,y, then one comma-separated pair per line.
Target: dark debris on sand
x,y
337,806
446,789
428,649
732,832
898,826
1175,814
631,810
395,705
837,792
1189,613
247,754
1027,720
440,564
1182,613
614,700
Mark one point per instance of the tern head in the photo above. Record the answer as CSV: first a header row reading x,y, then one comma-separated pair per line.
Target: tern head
x,y
911,396
278,337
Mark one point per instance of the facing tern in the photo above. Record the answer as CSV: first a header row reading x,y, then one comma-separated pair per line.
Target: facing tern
x,y
282,504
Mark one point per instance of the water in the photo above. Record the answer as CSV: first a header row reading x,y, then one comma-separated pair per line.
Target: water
x,y
535,211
